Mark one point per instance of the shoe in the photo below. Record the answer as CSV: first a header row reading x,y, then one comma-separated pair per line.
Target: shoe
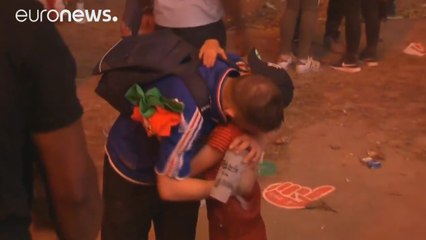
x,y
307,65
415,49
349,65
285,60
331,44
369,59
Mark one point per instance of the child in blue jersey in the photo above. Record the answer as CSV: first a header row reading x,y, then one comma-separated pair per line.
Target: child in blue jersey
x,y
147,180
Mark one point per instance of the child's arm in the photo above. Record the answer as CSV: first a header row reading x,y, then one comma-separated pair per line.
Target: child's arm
x,y
191,188
206,158
220,141
183,190
172,189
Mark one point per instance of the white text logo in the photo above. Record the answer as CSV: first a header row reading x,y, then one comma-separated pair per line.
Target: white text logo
x,y
65,15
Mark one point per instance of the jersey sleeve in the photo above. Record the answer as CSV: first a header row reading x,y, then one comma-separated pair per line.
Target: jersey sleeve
x,y
222,136
177,150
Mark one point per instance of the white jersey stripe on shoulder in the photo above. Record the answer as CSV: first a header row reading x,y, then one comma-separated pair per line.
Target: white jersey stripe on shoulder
x,y
219,89
190,143
173,160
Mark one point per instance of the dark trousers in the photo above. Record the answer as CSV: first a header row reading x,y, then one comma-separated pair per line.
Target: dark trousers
x,y
334,18
371,13
391,8
129,210
196,36
133,10
14,229
351,10
306,11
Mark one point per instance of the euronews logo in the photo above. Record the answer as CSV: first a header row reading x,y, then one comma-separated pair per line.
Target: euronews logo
x,y
65,15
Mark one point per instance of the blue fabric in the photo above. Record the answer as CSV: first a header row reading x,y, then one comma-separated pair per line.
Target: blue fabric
x,y
137,157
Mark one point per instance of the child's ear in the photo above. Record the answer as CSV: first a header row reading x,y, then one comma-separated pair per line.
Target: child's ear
x,y
230,112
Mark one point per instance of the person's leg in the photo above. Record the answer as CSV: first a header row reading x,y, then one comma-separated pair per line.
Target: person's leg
x,y
334,18
308,23
352,13
234,10
132,17
370,12
176,220
196,36
287,28
288,25
391,10
128,207
332,24
296,34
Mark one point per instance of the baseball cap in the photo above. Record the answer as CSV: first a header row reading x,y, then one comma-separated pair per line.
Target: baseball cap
x,y
274,72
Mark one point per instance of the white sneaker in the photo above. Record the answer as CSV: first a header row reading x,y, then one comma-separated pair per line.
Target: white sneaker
x,y
285,60
307,65
416,49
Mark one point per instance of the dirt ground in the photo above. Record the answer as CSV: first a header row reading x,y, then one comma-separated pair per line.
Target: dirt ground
x,y
333,121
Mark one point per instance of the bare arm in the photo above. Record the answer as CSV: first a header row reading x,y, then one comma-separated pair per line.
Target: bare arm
x,y
206,158
191,188
72,182
183,190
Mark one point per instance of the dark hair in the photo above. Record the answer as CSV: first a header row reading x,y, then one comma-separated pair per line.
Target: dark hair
x,y
259,101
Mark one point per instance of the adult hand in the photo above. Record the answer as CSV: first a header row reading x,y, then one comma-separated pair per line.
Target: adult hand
x,y
209,51
246,142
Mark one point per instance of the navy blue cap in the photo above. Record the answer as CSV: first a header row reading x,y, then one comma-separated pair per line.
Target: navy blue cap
x,y
274,72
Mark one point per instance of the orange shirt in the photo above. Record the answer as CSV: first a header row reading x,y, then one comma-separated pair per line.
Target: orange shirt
x,y
230,220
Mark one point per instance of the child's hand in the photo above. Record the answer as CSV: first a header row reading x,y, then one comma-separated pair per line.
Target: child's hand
x,y
209,51
246,142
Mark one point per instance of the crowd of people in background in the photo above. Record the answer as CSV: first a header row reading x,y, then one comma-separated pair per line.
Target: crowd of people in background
x,y
298,22
299,19
300,16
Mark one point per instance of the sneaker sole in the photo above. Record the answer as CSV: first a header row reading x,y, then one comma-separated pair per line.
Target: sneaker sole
x,y
371,64
346,69
309,70
306,71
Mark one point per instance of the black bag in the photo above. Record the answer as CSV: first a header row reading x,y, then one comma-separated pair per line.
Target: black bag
x,y
144,59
